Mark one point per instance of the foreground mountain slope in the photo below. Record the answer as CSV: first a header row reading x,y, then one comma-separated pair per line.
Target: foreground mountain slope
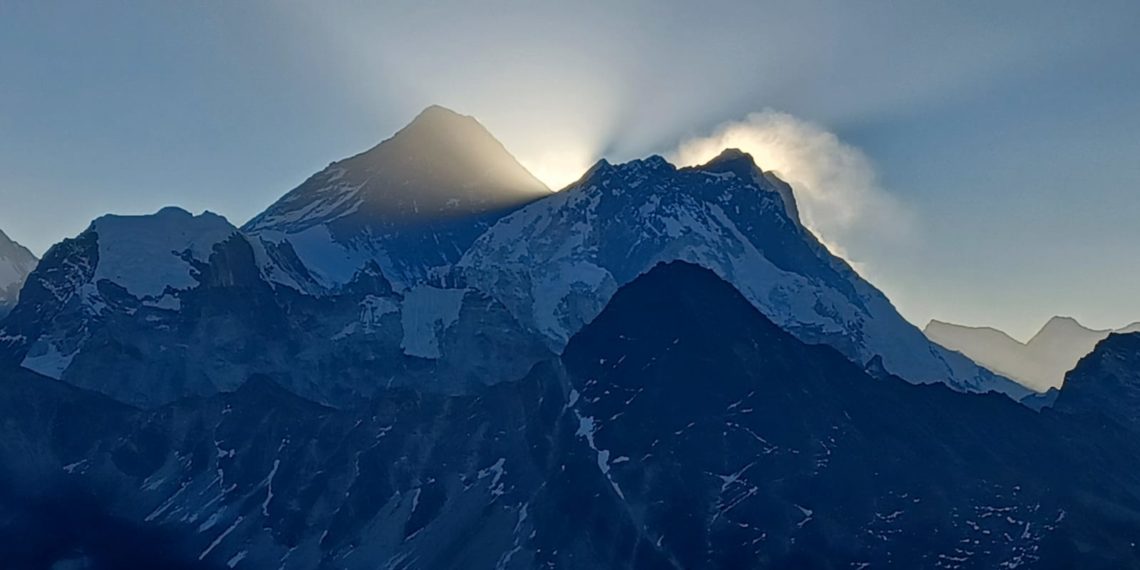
x,y
556,262
679,429
1039,364
411,203
751,449
16,262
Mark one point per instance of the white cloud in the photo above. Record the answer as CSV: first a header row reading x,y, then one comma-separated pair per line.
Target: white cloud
x,y
835,184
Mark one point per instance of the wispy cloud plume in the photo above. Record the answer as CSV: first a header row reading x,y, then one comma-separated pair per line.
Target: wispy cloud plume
x,y
835,184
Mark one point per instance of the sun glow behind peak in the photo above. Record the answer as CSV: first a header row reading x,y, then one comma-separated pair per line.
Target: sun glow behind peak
x,y
558,169
835,184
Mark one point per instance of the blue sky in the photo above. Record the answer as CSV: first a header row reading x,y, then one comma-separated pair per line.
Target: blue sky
x,y
1006,132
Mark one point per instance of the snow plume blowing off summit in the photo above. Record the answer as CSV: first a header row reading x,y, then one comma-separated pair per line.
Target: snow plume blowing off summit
x,y
836,186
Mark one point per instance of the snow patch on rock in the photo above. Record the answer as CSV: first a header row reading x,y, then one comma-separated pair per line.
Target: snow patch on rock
x,y
427,313
145,254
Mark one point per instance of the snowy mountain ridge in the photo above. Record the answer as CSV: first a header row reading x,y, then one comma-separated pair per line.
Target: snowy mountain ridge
x,y
435,251
556,262
119,264
151,256
151,309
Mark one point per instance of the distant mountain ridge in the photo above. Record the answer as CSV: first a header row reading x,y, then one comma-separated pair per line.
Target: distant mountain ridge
x,y
1039,364
16,262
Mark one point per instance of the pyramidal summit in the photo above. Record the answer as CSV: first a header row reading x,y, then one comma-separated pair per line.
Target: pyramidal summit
x,y
413,202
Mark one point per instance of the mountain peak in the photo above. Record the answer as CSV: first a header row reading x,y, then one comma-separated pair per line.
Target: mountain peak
x,y
414,202
10,248
1063,320
16,263
1059,328
438,114
442,157
732,159
442,164
617,177
441,129
743,165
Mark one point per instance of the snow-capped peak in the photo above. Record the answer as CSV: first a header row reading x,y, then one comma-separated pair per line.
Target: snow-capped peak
x,y
411,203
440,164
742,164
146,254
556,262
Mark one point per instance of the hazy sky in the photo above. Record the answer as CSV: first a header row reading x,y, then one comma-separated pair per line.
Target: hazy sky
x,y
979,161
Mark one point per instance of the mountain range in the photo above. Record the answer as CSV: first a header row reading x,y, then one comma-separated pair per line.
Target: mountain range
x,y
148,309
423,358
1039,364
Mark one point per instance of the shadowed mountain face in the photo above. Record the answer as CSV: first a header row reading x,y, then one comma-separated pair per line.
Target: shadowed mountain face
x,y
679,429
16,262
1040,364
442,164
411,203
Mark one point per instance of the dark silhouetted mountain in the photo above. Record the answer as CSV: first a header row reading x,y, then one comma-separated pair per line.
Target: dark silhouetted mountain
x,y
1039,364
16,262
681,428
412,203
1106,383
